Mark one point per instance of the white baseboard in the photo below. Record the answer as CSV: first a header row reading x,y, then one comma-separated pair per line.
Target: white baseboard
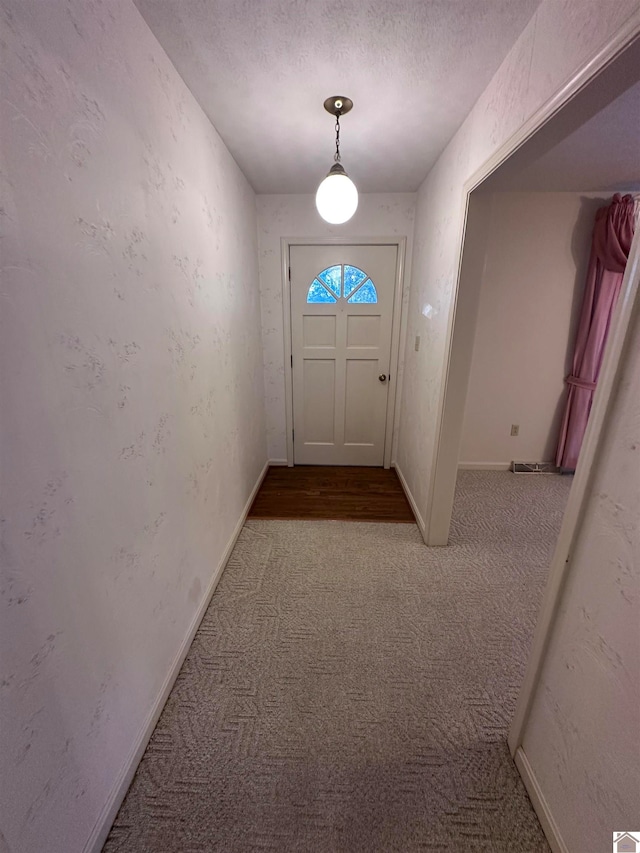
x,y
539,803
484,466
108,815
276,462
410,498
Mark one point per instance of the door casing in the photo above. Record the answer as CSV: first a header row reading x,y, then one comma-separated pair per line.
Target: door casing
x,y
397,326
450,412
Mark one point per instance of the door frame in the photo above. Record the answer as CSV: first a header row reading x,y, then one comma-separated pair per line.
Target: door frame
x,y
396,328
462,319
459,348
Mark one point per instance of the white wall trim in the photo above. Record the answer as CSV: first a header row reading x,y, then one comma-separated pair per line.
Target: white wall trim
x,y
626,310
410,498
484,466
539,803
620,40
445,451
110,810
277,462
455,375
444,469
288,347
393,404
396,328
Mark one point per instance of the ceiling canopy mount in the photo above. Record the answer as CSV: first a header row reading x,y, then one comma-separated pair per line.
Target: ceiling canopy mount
x,y
338,105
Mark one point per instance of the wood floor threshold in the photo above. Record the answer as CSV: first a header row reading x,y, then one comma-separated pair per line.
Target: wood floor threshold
x,y
366,520
332,493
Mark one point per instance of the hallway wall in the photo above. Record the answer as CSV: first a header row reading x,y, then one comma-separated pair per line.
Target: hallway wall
x,y
378,215
582,736
562,37
531,295
132,398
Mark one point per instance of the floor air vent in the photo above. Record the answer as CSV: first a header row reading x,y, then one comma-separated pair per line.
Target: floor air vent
x,y
534,468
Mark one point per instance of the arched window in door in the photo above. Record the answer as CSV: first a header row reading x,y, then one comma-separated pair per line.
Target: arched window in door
x,y
342,281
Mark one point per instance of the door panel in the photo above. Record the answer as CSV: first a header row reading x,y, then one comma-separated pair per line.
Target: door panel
x,y
318,401
363,331
341,320
319,331
360,393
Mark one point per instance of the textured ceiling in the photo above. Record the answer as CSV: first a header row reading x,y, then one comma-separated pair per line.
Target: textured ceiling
x,y
261,70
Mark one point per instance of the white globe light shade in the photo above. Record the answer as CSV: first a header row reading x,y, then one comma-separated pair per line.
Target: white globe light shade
x,y
337,197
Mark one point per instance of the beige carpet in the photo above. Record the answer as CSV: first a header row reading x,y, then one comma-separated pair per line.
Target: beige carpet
x,y
351,690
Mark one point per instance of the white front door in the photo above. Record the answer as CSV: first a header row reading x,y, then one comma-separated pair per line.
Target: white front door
x,y
341,321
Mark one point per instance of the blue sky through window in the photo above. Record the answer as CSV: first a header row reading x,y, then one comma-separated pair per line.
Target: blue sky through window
x,y
332,277
318,293
366,293
342,280
352,278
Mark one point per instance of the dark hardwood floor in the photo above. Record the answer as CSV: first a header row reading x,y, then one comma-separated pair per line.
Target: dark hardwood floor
x,y
328,492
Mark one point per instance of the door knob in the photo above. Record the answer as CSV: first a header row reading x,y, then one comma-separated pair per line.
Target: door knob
x,y
382,377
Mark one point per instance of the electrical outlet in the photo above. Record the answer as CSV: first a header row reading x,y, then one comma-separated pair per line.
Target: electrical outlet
x,y
417,343
515,429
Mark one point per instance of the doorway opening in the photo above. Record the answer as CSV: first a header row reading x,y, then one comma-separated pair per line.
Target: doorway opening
x,y
579,160
588,149
342,304
342,307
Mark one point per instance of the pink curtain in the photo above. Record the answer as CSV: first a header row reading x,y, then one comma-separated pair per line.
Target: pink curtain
x,y
611,242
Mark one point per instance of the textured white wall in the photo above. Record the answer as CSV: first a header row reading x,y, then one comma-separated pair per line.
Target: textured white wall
x,y
132,396
561,38
378,215
534,273
582,737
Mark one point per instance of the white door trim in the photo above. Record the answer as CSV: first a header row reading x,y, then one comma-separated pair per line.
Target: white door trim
x,y
441,486
447,443
394,397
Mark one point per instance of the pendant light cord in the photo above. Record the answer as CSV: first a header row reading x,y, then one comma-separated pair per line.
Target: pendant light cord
x,y
337,154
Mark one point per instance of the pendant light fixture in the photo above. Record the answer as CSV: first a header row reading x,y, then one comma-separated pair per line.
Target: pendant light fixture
x,y
337,196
